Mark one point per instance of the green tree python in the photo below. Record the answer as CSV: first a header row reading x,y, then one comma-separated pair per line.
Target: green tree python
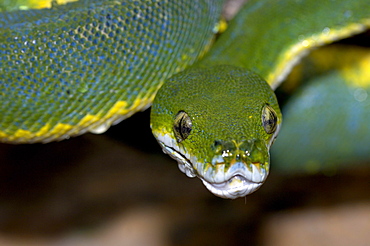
x,y
81,66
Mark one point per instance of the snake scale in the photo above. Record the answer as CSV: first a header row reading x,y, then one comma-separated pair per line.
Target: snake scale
x,y
84,65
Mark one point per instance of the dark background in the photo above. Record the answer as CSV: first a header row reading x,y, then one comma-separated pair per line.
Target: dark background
x,y
119,189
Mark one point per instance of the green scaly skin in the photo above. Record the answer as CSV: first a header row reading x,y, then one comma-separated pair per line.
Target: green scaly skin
x,y
228,147
270,36
85,65
267,37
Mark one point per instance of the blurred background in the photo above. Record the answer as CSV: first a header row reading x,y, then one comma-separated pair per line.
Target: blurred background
x,y
118,188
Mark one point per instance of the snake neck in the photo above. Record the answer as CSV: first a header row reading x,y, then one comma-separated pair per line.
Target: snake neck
x,y
255,42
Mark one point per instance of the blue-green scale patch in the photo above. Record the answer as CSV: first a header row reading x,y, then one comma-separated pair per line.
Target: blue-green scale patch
x,y
59,65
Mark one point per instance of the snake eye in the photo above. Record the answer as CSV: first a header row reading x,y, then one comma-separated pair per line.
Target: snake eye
x,y
269,119
182,126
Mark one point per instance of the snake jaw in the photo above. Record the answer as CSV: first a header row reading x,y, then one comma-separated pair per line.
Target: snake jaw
x,y
237,186
236,181
170,147
239,180
183,162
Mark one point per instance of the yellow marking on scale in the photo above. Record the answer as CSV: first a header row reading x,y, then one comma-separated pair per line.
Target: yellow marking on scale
x,y
42,4
59,129
43,131
119,107
294,53
88,122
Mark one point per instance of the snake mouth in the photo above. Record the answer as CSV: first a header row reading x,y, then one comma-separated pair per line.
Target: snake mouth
x,y
236,186
240,180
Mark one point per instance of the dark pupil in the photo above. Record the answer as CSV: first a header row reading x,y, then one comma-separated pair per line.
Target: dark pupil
x,y
270,122
184,127
271,119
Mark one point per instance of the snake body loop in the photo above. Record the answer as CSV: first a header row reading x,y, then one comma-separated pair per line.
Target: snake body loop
x,y
85,65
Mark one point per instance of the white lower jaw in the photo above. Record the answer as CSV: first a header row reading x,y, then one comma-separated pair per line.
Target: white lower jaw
x,y
236,187
239,185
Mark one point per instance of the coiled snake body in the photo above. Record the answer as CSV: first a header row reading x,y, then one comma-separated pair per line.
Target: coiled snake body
x,y
87,64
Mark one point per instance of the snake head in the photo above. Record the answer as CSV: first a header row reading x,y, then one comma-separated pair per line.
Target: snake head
x,y
219,124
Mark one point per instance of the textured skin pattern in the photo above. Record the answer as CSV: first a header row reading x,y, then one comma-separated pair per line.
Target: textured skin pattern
x,y
215,113
87,64
228,146
269,36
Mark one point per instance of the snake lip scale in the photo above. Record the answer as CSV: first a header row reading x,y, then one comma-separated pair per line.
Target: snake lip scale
x,y
240,183
183,161
243,187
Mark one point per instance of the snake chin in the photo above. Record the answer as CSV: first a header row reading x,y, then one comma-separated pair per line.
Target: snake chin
x,y
240,181
236,186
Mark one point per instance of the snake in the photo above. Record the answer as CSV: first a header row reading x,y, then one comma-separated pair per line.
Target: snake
x,y
70,67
